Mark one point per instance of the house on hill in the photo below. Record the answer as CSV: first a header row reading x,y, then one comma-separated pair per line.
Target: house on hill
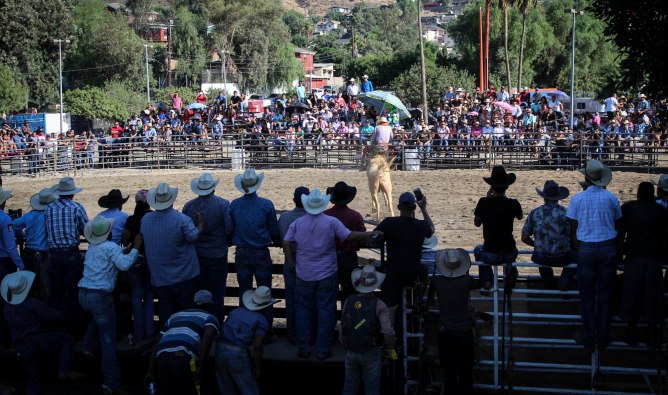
x,y
325,26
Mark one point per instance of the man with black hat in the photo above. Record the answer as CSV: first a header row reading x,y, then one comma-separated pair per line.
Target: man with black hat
x,y
496,213
346,251
595,216
113,202
548,231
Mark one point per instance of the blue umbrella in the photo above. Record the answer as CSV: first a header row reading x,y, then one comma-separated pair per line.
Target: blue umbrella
x,y
196,106
380,100
559,94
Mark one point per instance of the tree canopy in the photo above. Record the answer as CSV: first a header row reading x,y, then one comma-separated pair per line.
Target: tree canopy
x,y
13,92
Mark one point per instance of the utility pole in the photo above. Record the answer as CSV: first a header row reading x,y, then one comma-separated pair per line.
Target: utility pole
x,y
575,13
148,81
169,54
423,72
60,76
224,71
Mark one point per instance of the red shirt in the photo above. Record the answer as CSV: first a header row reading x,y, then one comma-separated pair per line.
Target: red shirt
x,y
201,99
116,131
352,220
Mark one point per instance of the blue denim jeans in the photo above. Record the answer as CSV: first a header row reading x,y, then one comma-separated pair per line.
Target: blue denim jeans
x,y
290,280
213,277
142,300
234,372
316,304
65,271
174,375
102,332
254,262
494,259
362,367
175,297
597,266
30,353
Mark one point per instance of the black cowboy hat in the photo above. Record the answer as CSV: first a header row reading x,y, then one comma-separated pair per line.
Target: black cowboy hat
x,y
500,178
113,199
341,193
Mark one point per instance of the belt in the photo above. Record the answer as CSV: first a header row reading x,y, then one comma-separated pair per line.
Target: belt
x,y
64,249
251,248
234,348
598,242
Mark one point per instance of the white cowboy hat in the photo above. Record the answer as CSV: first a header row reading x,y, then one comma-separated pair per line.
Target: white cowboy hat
x,y
352,80
430,242
65,187
40,200
365,76
162,197
204,184
97,231
5,194
315,202
249,179
16,286
258,299
453,262
366,279
597,173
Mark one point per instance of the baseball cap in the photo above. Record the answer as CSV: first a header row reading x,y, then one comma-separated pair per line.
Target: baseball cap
x,y
203,297
299,191
407,199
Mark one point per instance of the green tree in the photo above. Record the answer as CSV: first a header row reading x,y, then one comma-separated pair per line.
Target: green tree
x,y
26,42
13,92
188,44
106,49
407,86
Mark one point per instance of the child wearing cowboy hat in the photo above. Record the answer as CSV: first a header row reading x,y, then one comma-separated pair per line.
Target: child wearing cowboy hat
x,y
365,328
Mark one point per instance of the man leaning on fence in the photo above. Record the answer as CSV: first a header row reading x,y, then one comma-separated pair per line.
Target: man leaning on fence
x,y
595,217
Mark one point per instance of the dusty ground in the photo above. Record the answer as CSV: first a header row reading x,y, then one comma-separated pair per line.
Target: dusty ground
x,y
451,194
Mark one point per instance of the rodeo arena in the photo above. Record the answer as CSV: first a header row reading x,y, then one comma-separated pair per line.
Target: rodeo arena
x,y
229,246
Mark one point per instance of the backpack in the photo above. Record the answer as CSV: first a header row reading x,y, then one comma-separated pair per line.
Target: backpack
x,y
360,325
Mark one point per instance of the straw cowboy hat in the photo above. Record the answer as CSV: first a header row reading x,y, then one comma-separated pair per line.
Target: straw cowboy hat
x,y
162,197
315,202
430,243
597,173
366,279
365,76
203,185
248,180
352,80
65,187
341,193
552,191
16,286
40,200
258,299
113,199
97,231
382,121
453,262
500,178
5,194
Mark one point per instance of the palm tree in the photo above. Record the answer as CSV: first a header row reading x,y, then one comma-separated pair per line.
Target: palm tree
x,y
523,6
504,5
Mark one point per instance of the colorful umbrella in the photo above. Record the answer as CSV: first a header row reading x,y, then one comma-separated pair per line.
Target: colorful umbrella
x,y
196,106
559,94
504,105
380,100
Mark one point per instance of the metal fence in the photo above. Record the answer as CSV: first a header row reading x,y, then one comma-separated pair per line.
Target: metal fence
x,y
239,149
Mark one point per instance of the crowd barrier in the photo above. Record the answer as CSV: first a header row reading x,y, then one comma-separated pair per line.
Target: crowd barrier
x,y
237,150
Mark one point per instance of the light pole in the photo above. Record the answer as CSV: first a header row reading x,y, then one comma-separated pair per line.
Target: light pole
x,y
423,72
148,81
224,70
575,13
60,76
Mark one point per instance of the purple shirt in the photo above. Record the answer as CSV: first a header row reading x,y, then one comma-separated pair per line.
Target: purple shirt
x,y
315,236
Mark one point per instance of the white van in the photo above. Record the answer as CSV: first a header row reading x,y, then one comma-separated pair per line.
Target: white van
x,y
585,104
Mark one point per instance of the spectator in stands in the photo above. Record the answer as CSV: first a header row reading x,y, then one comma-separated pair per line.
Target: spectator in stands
x,y
113,202
177,102
595,218
201,98
644,224
170,238
502,95
255,230
452,285
140,280
116,131
239,347
213,243
310,246
364,319
496,213
183,348
31,325
65,220
352,90
289,272
548,231
449,95
404,236
104,259
367,86
611,106
35,254
346,252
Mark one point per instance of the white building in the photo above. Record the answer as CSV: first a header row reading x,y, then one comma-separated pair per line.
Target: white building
x,y
325,26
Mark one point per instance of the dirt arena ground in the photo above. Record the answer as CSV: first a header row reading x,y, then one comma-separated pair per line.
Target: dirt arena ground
x,y
451,194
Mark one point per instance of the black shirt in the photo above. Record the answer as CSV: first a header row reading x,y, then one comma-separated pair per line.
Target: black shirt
x,y
497,214
455,312
404,237
133,225
645,225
